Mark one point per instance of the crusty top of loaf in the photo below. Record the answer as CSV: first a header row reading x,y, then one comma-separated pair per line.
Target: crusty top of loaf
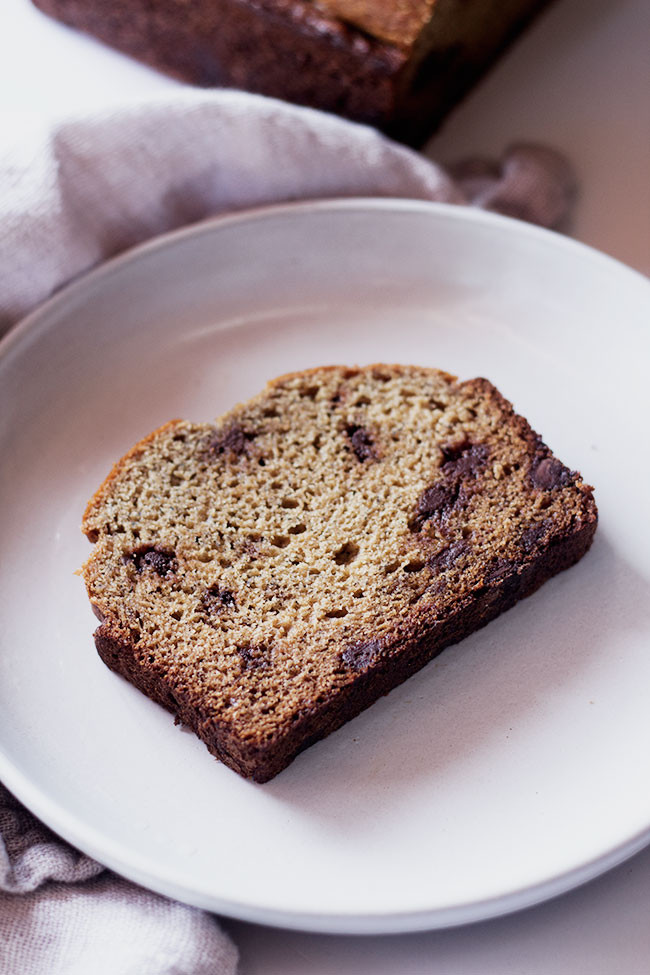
x,y
259,564
396,21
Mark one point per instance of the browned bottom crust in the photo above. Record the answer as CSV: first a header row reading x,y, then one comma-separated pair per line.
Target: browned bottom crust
x,y
380,668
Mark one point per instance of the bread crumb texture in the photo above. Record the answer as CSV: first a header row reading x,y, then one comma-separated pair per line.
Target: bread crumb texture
x,y
268,576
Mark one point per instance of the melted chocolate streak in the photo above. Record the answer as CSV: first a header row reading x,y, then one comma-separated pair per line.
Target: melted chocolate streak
x,y
462,464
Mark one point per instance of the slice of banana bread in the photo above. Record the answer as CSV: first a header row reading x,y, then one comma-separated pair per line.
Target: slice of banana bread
x,y
269,576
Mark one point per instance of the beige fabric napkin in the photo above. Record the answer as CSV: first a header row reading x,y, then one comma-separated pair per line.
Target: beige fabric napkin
x,y
63,914
77,192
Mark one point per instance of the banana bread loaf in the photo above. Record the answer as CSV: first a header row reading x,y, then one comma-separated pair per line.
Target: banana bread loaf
x,y
396,64
269,576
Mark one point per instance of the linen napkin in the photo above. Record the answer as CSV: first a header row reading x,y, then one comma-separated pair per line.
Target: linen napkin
x,y
72,194
77,192
63,914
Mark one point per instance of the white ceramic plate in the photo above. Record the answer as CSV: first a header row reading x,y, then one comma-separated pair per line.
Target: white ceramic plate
x,y
514,766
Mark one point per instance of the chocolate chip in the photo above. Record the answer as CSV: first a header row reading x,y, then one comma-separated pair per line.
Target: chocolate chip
x,y
215,599
158,560
448,556
462,465
452,452
503,574
254,657
233,440
360,656
465,458
361,442
433,501
547,473
534,535
497,569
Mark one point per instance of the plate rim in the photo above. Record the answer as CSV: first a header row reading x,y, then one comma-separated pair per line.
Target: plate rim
x,y
127,862
456,211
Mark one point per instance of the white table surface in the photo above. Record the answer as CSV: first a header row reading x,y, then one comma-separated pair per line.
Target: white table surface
x,y
579,80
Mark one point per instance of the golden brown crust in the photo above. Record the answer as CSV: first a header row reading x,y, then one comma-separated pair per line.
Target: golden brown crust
x,y
103,490
396,368
396,21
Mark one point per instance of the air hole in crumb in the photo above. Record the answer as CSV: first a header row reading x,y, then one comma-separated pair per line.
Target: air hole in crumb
x,y
280,541
358,593
297,529
335,614
416,565
276,485
317,441
346,553
270,411
262,462
311,392
225,563
175,480
466,532
179,437
289,503
435,404
178,616
362,401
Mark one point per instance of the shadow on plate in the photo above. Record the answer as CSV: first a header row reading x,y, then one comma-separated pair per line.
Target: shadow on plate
x,y
474,695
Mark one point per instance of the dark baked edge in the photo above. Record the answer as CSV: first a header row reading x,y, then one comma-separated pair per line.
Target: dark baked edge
x,y
287,49
290,49
399,660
